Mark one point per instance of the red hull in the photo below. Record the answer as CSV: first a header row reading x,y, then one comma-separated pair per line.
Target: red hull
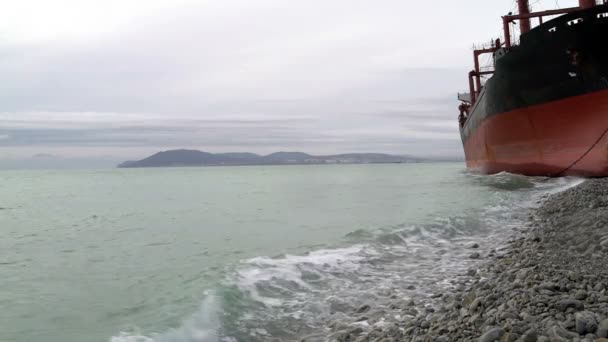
x,y
566,137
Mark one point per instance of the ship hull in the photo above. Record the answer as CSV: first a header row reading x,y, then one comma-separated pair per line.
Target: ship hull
x,y
565,137
544,112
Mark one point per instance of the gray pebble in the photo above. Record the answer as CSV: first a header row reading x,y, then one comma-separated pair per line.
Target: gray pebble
x,y
564,304
475,256
529,336
602,330
363,308
585,322
492,335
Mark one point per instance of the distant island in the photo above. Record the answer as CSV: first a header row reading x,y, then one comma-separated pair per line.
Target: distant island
x,y
176,158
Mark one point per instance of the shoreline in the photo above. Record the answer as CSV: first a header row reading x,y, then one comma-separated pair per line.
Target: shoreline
x,y
547,284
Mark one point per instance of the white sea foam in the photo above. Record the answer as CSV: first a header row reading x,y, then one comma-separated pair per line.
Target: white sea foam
x,y
291,268
127,337
565,183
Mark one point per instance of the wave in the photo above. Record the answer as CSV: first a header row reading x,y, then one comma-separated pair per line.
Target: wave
x,y
203,326
506,181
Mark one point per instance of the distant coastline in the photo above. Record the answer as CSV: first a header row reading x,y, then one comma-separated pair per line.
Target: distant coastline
x,y
185,158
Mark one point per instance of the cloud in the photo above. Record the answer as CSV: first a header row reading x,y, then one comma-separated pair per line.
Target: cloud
x,y
317,76
45,156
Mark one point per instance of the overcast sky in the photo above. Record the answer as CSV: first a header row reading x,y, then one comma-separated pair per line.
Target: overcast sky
x,y
120,79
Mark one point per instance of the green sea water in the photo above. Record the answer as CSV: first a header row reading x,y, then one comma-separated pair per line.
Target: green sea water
x,y
232,253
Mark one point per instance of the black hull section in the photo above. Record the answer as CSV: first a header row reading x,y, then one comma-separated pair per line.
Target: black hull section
x,y
564,57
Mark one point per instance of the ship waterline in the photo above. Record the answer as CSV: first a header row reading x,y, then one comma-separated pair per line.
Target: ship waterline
x,y
566,137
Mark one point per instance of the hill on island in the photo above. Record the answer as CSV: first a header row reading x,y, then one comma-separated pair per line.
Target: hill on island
x,y
175,158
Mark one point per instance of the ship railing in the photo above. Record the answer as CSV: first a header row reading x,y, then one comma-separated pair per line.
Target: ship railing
x,y
464,97
475,76
485,46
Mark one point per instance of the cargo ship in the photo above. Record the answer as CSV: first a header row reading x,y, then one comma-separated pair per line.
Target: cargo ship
x,y
543,108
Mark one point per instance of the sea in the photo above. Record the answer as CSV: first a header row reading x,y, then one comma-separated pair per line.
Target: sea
x,y
252,253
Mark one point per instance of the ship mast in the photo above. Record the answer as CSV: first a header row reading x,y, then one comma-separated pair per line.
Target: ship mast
x,y
524,9
586,3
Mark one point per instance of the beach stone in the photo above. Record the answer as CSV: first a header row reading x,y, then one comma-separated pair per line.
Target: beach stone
x,y
363,308
548,286
602,330
522,274
313,338
573,276
508,337
412,312
581,295
529,336
509,314
569,323
520,328
356,331
492,335
559,334
475,256
564,304
475,305
585,322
